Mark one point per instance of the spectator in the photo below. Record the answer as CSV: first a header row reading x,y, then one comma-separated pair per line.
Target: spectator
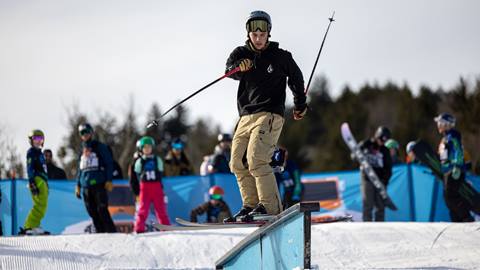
x,y
176,160
37,183
378,157
287,174
53,171
149,171
393,146
410,154
221,155
94,179
216,208
452,161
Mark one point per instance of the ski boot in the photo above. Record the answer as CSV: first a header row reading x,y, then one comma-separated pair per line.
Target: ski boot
x,y
259,213
23,231
239,215
34,231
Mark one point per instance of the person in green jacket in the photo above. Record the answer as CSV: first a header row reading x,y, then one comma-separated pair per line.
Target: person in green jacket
x,y
37,183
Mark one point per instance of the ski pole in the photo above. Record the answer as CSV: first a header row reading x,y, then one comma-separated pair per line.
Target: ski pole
x,y
231,72
320,51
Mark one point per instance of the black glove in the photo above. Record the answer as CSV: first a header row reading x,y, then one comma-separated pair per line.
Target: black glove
x,y
33,188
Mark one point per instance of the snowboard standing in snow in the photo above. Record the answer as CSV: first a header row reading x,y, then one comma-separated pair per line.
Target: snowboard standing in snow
x,y
425,154
366,167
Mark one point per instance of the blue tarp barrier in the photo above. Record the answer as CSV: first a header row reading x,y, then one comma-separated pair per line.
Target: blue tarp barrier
x,y
413,188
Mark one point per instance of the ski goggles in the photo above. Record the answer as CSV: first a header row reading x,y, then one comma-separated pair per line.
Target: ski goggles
x,y
177,146
216,197
85,132
257,25
38,138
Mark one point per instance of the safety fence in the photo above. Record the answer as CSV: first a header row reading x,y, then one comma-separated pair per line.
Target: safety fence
x,y
413,188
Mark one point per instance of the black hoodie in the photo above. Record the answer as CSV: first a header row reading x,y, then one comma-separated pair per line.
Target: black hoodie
x,y
262,88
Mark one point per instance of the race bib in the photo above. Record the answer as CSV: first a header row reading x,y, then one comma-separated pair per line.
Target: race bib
x,y
89,161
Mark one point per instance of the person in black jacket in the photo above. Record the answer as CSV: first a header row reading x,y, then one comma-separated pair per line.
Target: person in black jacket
x,y
53,171
94,179
265,71
379,158
221,155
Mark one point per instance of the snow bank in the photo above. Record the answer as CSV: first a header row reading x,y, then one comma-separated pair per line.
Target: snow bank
x,y
334,246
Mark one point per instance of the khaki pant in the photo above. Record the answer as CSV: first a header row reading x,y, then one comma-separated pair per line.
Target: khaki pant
x,y
255,138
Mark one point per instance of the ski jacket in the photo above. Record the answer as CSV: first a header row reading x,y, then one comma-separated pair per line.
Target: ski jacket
x,y
450,151
55,172
220,160
95,164
36,164
177,166
149,169
213,212
378,156
262,88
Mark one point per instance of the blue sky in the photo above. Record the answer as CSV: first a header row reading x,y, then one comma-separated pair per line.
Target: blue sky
x,y
97,53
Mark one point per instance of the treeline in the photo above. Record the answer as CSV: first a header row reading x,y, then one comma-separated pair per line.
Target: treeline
x,y
199,137
315,142
317,145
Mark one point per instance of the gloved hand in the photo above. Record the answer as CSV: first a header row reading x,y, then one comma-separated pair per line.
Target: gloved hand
x,y
33,188
109,186
299,113
456,173
245,65
77,192
297,192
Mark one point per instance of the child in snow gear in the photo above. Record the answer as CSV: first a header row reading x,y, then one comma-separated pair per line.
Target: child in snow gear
x,y
265,71
450,151
379,158
216,208
149,170
94,179
176,160
37,183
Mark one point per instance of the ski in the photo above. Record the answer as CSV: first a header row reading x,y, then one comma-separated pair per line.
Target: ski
x,y
196,224
367,169
427,156
330,219
162,227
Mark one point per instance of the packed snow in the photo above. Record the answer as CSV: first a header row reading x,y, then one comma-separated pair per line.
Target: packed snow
x,y
334,246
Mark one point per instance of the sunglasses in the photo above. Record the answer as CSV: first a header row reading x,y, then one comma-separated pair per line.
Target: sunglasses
x,y
216,197
254,25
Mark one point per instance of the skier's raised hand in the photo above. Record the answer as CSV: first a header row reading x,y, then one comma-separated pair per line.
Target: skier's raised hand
x,y
245,65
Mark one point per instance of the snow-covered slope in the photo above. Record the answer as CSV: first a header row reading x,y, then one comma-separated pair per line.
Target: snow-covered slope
x,y
334,246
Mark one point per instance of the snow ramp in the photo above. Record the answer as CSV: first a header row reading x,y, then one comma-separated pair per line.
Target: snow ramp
x,y
285,243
